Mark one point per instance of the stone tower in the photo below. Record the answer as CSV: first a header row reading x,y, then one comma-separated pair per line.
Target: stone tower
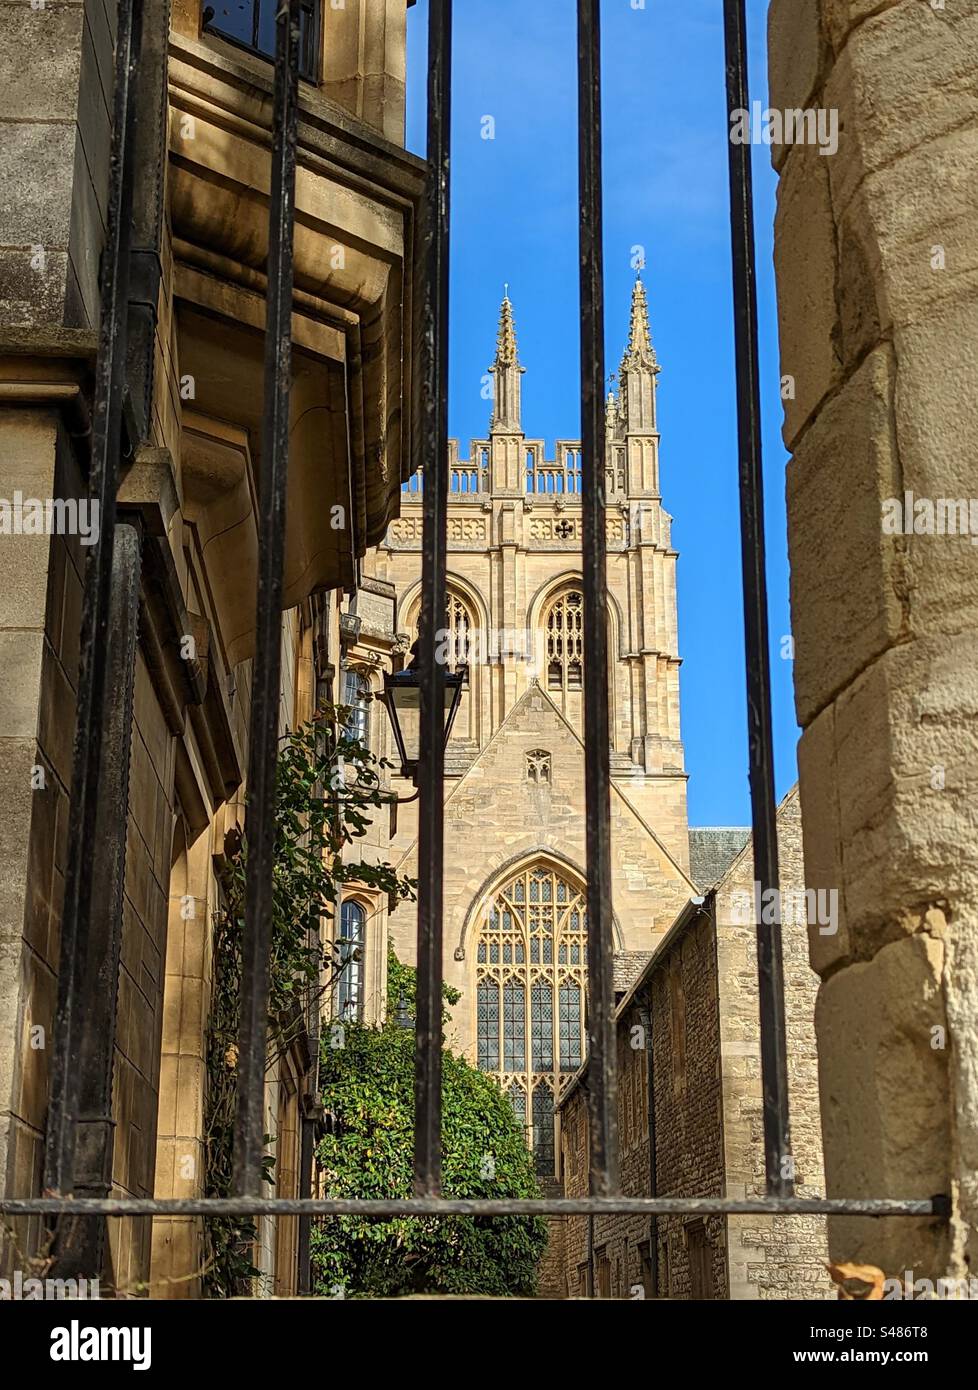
x,y
514,872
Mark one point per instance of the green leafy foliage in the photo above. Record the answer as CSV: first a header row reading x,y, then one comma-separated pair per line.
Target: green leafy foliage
x,y
367,1086
327,782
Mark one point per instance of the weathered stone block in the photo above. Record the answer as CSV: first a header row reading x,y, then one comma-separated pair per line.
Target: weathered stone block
x,y
805,261
875,1025
847,578
795,47
906,750
37,171
904,80
42,52
818,782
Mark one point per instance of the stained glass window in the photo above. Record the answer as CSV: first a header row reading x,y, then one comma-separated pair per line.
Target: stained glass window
x,y
570,1027
543,1026
514,1026
531,974
454,640
543,1128
488,1025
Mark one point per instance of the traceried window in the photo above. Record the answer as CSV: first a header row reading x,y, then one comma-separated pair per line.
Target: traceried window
x,y
538,766
251,24
530,980
564,637
458,632
455,638
456,645
350,947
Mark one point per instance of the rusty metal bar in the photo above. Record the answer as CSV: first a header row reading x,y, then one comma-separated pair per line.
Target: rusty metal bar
x,y
480,1206
266,678
79,1248
431,768
602,1091
103,482
770,974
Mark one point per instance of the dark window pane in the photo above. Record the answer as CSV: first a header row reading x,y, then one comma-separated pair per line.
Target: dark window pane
x,y
543,1129
514,1027
570,1027
542,1027
488,1025
251,24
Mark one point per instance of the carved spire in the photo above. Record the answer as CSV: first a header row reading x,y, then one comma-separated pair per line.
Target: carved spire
x,y
506,371
507,354
638,370
639,352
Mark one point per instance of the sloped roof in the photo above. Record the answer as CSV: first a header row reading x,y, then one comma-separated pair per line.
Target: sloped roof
x,y
712,849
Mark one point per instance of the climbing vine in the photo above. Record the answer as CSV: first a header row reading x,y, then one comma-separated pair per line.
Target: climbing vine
x,y
327,782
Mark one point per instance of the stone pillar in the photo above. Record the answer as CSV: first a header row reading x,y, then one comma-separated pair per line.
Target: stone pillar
x,y
876,256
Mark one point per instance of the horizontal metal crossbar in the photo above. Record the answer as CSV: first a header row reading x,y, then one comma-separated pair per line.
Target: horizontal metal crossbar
x,y
476,1206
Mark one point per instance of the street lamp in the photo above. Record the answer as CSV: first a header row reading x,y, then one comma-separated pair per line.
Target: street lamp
x,y
402,696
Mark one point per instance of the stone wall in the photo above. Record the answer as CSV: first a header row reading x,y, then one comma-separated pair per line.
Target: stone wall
x,y
54,158
688,1111
784,1256
40,602
876,261
702,1045
680,989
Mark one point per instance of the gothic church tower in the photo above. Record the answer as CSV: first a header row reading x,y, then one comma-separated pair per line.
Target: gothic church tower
x,y
514,811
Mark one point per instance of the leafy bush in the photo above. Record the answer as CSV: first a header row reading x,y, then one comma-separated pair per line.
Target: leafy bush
x,y
367,1086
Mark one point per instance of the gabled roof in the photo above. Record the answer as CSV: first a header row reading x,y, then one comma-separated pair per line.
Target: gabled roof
x,y
535,688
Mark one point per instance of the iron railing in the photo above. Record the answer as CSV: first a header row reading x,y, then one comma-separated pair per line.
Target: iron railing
x,y
109,434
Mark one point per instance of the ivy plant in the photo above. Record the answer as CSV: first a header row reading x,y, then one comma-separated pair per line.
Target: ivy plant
x,y
327,784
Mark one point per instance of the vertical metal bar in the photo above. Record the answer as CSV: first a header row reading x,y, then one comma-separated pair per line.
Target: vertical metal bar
x,y
80,1246
602,1091
307,1143
774,1062
266,678
103,486
431,771
146,266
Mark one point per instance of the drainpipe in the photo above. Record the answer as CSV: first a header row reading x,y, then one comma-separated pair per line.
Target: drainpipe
x,y
80,1244
590,1257
645,1015
145,255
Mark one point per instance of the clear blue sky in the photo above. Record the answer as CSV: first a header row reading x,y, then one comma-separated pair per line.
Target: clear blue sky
x,y
514,218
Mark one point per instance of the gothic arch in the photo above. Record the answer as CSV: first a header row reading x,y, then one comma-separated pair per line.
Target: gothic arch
x,y
570,579
469,721
410,603
503,872
529,995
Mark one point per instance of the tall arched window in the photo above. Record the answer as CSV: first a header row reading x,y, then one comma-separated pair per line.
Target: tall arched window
x,y
350,948
563,627
356,695
454,645
530,978
455,638
458,627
